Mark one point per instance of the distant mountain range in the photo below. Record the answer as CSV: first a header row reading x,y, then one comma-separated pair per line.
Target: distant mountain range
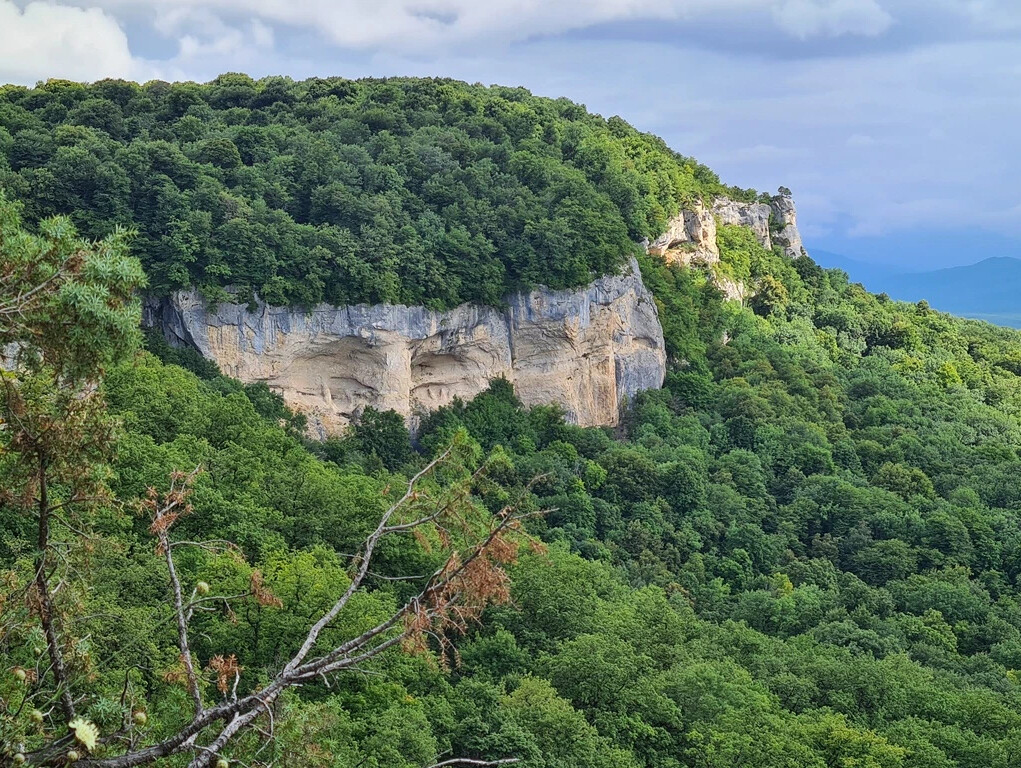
x,y
988,290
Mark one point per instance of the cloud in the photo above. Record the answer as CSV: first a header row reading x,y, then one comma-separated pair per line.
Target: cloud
x,y
427,26
218,41
832,18
988,14
1008,218
909,214
423,25
47,40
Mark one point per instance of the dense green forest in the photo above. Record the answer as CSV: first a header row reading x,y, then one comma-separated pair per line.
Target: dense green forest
x,y
802,552
405,191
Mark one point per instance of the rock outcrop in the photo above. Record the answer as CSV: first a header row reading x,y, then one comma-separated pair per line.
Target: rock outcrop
x,y
587,350
755,216
775,223
785,224
690,238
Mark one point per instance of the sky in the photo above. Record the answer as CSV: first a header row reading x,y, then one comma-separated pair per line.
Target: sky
x,y
894,122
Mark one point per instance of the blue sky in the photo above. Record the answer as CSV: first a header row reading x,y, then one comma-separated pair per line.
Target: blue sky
x,y
893,121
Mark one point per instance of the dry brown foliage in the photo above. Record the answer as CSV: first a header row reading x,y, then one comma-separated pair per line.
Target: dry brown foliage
x,y
475,547
226,669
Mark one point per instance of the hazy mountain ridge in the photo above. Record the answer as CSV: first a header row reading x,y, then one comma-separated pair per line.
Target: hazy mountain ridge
x,y
986,290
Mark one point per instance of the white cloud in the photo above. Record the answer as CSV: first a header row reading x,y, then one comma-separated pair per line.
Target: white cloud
x,y
262,34
48,40
989,14
831,18
424,24
222,42
429,25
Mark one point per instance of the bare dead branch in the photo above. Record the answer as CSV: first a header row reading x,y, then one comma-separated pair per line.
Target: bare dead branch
x,y
369,548
162,519
453,595
213,545
208,754
44,595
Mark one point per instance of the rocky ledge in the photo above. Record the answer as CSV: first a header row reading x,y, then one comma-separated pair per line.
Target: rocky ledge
x,y
587,350
690,237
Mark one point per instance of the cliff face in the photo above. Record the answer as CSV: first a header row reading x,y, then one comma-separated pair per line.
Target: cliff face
x,y
690,237
586,350
785,224
755,216
774,223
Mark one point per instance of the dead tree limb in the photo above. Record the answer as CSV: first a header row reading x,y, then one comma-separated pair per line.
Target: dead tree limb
x,y
470,578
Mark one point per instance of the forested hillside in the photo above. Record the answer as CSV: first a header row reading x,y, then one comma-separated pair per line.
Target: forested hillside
x,y
405,191
803,552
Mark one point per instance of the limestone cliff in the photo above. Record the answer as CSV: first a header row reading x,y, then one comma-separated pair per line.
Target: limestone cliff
x,y
690,237
774,223
785,224
755,216
586,350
